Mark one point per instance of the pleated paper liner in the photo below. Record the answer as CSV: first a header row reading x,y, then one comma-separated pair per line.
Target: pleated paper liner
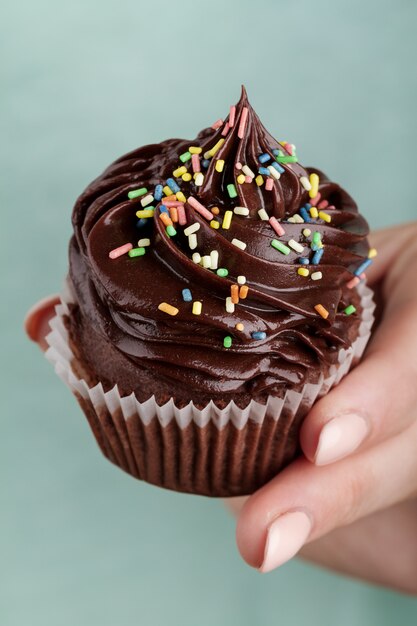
x,y
209,451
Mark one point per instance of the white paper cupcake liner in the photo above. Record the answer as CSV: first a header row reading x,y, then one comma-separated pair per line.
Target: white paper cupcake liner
x,y
210,451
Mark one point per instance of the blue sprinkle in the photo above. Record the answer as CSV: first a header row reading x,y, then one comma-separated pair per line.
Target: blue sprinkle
x,y
259,335
264,171
173,185
186,295
305,214
314,247
308,206
163,209
278,167
363,266
275,152
205,163
141,223
264,158
317,256
303,260
157,194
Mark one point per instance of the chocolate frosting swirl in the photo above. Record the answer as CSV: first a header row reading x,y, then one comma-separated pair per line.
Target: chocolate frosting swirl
x,y
120,297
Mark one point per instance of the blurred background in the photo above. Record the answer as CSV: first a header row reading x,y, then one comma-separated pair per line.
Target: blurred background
x,y
82,83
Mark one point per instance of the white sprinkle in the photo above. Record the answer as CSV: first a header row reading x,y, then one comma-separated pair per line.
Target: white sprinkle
x,y
199,179
143,243
263,215
196,257
192,241
191,229
214,257
147,200
238,244
230,307
241,280
241,210
306,232
274,173
316,276
295,245
291,220
206,262
297,219
305,183
246,170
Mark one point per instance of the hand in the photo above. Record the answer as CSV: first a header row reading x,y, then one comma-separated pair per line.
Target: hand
x,y
352,499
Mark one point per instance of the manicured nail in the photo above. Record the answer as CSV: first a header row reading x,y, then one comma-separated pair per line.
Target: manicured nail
x,y
286,535
339,437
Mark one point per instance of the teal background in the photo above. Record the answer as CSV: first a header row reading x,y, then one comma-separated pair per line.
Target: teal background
x,y
82,83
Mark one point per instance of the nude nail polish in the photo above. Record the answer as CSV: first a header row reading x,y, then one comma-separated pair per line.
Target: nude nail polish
x,y
286,535
339,437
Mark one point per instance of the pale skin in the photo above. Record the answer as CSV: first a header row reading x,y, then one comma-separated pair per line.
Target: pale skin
x,y
362,505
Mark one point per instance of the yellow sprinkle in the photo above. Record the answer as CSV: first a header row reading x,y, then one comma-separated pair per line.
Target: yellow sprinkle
x,y
214,224
306,232
241,179
372,253
314,213
227,220
240,326
197,306
167,308
325,217
219,165
167,191
322,311
259,180
144,213
195,150
302,271
181,197
186,177
179,171
314,182
216,148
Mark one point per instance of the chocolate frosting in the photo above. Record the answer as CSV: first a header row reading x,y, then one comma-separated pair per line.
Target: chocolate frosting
x,y
120,297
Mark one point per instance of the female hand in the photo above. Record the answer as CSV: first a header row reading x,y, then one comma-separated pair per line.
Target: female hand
x,y
352,499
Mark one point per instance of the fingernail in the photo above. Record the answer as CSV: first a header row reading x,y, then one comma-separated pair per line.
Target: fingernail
x,y
286,535
339,437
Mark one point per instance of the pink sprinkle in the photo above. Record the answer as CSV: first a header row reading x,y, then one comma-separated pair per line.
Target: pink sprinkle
x,y
248,179
225,129
362,276
195,162
316,200
323,204
238,165
208,215
331,206
269,184
232,116
120,250
288,148
217,124
353,282
242,123
172,203
182,218
276,226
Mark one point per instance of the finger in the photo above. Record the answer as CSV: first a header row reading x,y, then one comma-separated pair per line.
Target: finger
x,y
374,401
389,242
305,502
37,320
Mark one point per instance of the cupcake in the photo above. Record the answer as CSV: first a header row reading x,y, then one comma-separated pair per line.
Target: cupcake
x,y
215,291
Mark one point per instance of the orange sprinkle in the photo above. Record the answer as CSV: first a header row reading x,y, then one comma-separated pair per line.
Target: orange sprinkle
x,y
173,213
165,219
169,198
243,291
215,210
234,293
322,311
240,326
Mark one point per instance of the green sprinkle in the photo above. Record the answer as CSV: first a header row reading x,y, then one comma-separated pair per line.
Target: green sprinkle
x,y
222,271
170,231
185,156
316,238
231,189
287,159
136,193
227,341
281,247
136,252
350,309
